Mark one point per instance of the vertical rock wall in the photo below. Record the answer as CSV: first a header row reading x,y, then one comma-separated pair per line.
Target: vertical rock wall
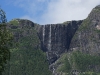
x,y
55,38
87,38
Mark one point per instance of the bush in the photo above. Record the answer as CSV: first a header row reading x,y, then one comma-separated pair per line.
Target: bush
x,y
14,22
84,62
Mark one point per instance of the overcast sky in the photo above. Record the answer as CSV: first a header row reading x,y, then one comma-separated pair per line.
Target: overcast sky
x,y
48,11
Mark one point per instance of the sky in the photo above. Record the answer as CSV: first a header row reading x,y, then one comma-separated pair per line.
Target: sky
x,y
48,11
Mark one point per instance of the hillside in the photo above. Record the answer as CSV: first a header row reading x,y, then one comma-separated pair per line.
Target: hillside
x,y
69,48
83,54
26,56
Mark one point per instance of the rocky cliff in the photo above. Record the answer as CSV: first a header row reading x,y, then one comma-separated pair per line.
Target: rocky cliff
x,y
60,41
86,40
87,37
26,57
55,38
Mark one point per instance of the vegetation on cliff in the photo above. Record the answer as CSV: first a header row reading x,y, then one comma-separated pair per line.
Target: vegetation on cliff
x,y
26,57
14,22
5,37
78,63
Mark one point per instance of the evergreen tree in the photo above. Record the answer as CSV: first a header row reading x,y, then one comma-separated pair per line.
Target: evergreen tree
x,y
4,40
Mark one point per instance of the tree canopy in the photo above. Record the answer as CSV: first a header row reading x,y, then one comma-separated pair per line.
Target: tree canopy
x,y
2,16
4,40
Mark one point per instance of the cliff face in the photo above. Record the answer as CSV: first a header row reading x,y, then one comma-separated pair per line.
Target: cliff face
x,y
58,41
55,38
87,38
83,36
26,57
21,28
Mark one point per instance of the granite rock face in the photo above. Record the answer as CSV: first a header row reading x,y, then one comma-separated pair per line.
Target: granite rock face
x,y
55,38
87,37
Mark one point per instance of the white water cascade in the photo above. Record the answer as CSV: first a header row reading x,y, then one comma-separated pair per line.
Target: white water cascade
x,y
43,33
49,41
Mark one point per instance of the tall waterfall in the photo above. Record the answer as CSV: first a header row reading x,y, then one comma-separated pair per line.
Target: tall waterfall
x,y
49,41
43,33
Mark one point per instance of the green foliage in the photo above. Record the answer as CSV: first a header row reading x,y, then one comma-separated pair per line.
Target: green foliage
x,y
4,50
29,62
97,31
66,22
84,24
5,37
26,56
14,22
2,16
82,62
85,61
96,10
65,65
89,73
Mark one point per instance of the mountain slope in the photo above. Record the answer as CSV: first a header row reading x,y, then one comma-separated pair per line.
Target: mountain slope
x,y
55,38
87,38
26,56
70,48
84,52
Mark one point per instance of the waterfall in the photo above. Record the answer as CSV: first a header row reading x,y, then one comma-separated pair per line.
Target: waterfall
x,y
55,35
49,41
53,70
43,33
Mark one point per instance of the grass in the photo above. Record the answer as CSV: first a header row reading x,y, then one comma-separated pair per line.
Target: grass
x,y
84,24
77,61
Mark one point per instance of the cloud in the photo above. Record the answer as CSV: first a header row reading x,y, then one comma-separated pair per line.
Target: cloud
x,y
66,10
56,11
33,8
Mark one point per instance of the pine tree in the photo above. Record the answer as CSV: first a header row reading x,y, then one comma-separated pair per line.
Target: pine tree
x,y
4,40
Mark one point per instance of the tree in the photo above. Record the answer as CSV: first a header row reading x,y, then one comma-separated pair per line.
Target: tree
x,y
5,38
2,16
